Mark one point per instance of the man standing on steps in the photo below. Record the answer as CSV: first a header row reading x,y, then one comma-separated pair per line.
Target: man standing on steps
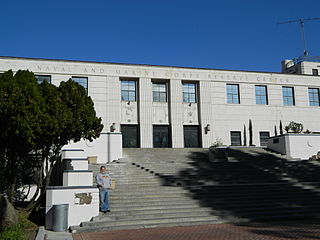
x,y
104,183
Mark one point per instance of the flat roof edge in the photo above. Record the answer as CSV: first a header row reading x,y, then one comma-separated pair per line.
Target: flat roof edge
x,y
140,65
129,64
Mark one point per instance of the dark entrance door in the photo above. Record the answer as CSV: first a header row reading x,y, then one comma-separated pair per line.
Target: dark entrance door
x,y
130,136
161,137
191,136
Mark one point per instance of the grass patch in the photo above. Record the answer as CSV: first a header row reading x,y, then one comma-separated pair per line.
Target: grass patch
x,y
24,230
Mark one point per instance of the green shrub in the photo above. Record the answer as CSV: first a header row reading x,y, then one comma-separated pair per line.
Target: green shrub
x,y
20,231
13,233
294,127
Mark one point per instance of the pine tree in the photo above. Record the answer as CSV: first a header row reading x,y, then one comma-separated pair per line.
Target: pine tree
x,y
275,130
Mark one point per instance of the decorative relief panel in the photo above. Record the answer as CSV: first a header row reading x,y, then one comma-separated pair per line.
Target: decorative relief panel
x,y
160,113
190,113
129,112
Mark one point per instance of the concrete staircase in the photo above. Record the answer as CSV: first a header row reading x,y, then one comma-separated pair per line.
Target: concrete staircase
x,y
179,187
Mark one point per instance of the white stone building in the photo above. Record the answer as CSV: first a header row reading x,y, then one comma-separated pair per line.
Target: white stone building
x,y
165,106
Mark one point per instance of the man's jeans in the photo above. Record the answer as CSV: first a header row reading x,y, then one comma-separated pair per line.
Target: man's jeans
x,y
104,199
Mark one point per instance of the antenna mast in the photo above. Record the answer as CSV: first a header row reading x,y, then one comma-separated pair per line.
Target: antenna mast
x,y
301,24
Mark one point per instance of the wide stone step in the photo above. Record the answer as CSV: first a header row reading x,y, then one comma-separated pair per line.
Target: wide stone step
x,y
148,200
281,214
136,189
138,184
187,185
138,180
147,215
262,190
253,214
145,199
128,176
258,206
231,205
214,196
153,182
262,213
150,187
162,166
141,207
132,213
143,226
214,189
133,196
153,202
263,197
135,181
156,221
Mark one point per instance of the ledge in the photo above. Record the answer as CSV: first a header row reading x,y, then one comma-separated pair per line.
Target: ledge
x,y
75,171
77,159
66,149
70,187
296,134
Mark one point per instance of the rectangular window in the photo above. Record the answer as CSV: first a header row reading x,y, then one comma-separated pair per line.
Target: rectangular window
x,y
235,138
264,136
83,81
261,95
313,96
128,90
41,78
233,93
315,72
159,92
189,92
288,96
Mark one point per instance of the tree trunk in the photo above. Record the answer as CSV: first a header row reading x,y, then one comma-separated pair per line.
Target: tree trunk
x,y
12,176
44,178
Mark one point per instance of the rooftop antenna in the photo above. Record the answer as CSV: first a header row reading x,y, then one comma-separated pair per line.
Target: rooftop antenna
x,y
301,24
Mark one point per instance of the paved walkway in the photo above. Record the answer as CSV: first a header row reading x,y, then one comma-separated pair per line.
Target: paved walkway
x,y
301,230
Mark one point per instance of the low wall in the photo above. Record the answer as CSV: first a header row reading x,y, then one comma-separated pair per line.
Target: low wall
x,y
77,191
301,146
278,144
107,148
83,203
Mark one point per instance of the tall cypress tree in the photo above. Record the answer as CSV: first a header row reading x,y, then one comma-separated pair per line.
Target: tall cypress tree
x,y
244,135
275,130
281,129
250,133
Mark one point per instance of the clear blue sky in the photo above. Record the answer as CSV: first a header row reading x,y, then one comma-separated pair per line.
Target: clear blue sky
x,y
226,34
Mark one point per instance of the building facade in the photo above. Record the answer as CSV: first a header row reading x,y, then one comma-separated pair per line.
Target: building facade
x,y
162,106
